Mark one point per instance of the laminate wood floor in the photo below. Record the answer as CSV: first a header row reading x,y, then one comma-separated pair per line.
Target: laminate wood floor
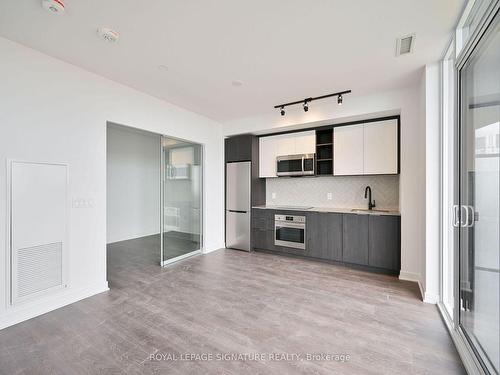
x,y
230,302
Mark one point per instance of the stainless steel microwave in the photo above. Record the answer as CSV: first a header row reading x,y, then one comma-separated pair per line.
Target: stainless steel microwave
x,y
295,165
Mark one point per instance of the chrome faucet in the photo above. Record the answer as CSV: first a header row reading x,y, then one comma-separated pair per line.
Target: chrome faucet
x,y
368,193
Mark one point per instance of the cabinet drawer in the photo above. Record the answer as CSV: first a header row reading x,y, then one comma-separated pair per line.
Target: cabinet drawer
x,y
262,219
260,223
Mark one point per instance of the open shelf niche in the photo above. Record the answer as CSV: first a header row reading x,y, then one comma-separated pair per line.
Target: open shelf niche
x,y
324,152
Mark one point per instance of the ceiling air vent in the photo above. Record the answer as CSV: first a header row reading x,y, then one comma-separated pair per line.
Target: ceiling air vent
x,y
404,45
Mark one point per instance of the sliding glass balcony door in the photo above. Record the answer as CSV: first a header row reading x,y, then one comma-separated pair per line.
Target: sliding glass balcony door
x,y
181,199
478,212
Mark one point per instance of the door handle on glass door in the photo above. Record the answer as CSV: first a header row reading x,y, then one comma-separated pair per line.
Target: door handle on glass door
x,y
465,223
456,220
472,216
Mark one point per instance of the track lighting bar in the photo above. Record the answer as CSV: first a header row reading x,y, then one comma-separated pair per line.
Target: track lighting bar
x,y
305,101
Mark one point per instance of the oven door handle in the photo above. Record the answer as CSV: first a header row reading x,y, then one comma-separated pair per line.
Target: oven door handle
x,y
288,225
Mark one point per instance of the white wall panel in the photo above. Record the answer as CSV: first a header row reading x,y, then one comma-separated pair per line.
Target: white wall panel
x,y
38,211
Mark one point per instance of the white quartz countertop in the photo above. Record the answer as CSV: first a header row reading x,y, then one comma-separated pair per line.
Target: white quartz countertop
x,y
359,211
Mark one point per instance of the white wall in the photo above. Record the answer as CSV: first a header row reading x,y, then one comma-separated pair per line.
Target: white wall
x,y
54,111
422,118
133,183
431,121
412,178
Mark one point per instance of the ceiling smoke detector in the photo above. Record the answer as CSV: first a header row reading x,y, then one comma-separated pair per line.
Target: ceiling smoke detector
x,y
108,34
405,44
53,6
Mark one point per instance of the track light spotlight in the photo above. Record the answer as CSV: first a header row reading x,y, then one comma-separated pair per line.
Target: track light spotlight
x,y
306,106
340,100
282,111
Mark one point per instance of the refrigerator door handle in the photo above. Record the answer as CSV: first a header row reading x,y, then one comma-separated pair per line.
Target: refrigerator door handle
x,y
238,211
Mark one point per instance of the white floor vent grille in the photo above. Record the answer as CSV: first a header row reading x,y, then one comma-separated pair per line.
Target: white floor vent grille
x,y
38,268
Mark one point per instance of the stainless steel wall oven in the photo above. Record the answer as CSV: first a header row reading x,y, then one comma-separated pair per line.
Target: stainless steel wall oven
x,y
290,231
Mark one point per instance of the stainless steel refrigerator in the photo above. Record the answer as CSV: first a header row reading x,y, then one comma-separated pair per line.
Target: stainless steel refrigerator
x,y
238,198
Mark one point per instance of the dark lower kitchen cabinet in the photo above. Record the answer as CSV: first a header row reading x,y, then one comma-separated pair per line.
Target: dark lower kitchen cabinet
x,y
263,239
384,242
368,240
373,241
324,236
355,239
262,229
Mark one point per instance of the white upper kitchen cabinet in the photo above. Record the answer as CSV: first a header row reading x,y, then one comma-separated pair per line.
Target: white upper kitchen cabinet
x,y
348,150
366,149
381,147
286,144
283,144
268,150
305,142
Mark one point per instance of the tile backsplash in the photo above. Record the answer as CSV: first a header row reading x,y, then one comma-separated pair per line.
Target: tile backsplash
x,y
344,192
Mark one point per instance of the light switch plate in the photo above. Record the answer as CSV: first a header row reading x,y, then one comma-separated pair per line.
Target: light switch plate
x,y
329,196
273,195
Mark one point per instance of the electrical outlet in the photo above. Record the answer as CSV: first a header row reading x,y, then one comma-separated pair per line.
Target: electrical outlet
x,y
329,196
273,195
83,203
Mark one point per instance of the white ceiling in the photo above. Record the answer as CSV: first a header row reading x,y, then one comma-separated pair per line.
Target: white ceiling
x,y
281,50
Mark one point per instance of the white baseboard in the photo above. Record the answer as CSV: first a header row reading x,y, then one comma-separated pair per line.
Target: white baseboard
x,y
212,249
17,314
422,292
415,277
133,237
431,298
409,276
